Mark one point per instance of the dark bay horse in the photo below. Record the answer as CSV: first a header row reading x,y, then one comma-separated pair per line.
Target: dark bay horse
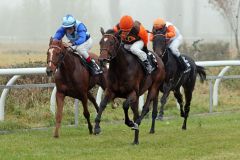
x,y
175,78
127,79
72,79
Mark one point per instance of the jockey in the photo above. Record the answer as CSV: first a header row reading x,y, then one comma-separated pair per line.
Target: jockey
x,y
79,38
174,37
135,38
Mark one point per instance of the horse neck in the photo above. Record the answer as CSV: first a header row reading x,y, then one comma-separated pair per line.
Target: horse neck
x,y
120,62
165,57
68,63
161,51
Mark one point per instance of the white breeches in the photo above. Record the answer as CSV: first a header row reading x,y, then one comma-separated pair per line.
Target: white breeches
x,y
84,48
136,49
174,45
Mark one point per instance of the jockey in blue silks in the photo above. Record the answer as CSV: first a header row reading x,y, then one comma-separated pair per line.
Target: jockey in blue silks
x,y
79,38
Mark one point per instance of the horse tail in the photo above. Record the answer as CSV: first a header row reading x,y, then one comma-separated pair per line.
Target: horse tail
x,y
202,73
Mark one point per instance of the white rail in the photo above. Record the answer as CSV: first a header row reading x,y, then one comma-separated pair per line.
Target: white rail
x,y
42,70
23,71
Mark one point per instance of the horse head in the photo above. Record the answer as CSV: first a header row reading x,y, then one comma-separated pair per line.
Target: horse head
x,y
55,55
109,45
159,42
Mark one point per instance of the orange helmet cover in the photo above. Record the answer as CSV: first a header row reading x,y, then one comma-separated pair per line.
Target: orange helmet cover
x,y
159,23
126,23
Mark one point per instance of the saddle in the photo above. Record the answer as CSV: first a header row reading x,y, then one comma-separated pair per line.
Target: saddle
x,y
83,61
150,57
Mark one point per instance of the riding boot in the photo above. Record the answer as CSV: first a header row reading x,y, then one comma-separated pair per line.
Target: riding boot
x,y
149,68
95,69
186,67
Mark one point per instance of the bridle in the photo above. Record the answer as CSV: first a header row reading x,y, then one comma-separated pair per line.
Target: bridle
x,y
116,43
50,60
161,35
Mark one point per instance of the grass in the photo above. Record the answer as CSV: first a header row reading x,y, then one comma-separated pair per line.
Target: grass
x,y
208,137
15,53
211,137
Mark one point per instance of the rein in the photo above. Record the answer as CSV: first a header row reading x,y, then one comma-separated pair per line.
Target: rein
x,y
159,34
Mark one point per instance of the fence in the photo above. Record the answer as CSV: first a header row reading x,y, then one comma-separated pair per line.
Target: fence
x,y
17,72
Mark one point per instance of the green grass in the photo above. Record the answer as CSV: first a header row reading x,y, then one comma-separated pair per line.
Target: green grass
x,y
209,137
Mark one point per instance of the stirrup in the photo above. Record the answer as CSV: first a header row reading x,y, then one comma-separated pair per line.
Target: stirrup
x,y
95,69
150,70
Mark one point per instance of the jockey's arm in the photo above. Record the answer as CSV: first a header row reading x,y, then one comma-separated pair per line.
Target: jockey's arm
x,y
143,35
170,32
116,28
59,34
81,31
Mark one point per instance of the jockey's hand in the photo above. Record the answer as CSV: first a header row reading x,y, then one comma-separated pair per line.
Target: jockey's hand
x,y
69,44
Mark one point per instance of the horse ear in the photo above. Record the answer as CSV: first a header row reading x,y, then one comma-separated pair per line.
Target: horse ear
x,y
102,31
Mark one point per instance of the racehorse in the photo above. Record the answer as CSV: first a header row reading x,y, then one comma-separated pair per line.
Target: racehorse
x,y
127,79
175,78
72,79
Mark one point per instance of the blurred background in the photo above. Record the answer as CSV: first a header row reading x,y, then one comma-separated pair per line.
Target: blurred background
x,y
37,20
204,24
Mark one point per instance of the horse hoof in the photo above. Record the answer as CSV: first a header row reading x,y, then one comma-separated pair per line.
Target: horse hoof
x,y
135,127
135,143
152,132
159,117
184,128
56,136
97,131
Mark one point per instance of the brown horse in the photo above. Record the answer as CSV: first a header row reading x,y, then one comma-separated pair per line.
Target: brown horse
x,y
72,79
127,79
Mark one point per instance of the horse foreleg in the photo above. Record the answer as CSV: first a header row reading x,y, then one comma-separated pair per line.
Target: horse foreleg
x,y
86,112
154,113
60,100
179,97
151,95
134,107
93,100
166,92
126,105
188,98
108,97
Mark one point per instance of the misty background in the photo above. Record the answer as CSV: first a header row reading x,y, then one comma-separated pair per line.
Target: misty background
x,y
37,20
